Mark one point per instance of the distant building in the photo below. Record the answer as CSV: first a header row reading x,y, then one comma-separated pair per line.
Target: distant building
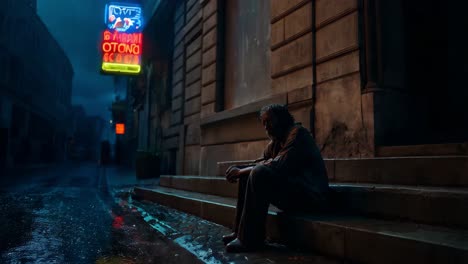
x,y
86,134
35,88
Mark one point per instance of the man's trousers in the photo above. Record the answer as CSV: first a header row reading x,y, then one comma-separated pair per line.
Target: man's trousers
x,y
262,187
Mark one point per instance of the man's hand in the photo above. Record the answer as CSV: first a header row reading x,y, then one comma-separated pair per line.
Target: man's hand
x,y
265,162
232,174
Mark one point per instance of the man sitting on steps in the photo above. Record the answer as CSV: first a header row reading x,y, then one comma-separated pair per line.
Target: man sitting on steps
x,y
291,175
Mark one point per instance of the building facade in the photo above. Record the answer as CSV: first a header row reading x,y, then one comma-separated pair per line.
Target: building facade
x,y
35,88
361,75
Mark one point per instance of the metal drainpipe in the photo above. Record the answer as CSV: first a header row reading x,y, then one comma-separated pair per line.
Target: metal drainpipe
x,y
314,70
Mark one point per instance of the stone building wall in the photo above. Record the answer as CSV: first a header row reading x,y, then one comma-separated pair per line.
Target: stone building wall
x,y
336,110
341,128
348,70
184,131
312,65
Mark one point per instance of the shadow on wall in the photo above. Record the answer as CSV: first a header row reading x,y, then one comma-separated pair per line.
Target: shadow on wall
x,y
342,143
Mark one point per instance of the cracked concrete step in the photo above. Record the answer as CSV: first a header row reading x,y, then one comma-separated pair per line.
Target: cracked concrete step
x,y
351,238
427,171
430,205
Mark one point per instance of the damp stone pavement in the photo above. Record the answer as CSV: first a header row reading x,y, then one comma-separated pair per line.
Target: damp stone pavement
x,y
200,237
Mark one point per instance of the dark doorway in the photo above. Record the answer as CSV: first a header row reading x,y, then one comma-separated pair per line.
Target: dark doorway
x,y
3,146
423,59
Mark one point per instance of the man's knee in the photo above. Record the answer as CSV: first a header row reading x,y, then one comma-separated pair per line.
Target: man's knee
x,y
260,173
263,180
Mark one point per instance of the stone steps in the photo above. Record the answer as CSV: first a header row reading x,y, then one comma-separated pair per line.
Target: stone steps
x,y
430,205
424,170
202,238
351,238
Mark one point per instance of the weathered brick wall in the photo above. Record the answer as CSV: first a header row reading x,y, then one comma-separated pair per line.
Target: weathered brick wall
x,y
208,132
246,52
322,63
338,118
341,128
209,49
193,71
291,46
231,139
184,131
173,135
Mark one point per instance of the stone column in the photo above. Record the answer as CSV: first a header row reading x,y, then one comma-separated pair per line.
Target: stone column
x,y
371,36
372,71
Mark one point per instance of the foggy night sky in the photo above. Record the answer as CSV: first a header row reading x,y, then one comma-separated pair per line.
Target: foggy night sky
x,y
76,24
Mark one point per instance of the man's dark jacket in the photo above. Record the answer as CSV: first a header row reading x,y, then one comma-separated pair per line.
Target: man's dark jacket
x,y
299,161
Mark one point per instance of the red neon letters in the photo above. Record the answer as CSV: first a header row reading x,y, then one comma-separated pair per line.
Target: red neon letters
x,y
121,47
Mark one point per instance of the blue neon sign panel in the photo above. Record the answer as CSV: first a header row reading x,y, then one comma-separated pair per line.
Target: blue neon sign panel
x,y
126,18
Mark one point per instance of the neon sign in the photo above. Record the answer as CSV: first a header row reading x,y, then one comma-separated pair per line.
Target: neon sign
x,y
119,128
122,41
124,17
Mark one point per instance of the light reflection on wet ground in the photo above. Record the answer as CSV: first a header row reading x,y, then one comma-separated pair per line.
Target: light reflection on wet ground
x,y
66,217
203,238
69,215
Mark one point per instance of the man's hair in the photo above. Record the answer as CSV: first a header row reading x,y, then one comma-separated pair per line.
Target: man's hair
x,y
281,112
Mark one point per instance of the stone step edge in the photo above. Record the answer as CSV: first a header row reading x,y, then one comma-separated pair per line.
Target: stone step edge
x,y
329,238
407,203
174,181
425,170
375,186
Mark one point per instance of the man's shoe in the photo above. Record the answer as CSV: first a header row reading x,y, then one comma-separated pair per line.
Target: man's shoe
x,y
229,238
236,246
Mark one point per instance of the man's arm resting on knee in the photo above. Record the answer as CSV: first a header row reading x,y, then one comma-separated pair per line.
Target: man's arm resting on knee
x,y
234,173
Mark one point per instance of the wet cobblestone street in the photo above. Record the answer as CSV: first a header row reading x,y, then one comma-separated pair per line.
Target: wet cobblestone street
x,y
85,214
203,238
65,215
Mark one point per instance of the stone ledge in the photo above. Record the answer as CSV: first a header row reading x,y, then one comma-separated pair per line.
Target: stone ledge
x,y
411,171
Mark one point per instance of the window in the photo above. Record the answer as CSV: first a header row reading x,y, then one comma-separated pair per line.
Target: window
x,y
247,52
